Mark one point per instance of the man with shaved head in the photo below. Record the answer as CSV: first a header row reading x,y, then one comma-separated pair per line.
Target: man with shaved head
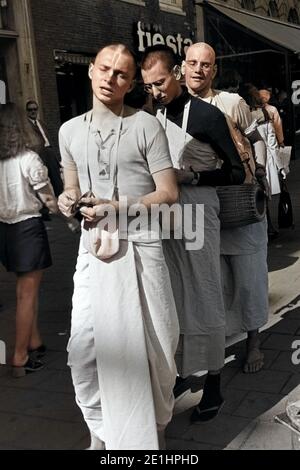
x,y
124,322
243,249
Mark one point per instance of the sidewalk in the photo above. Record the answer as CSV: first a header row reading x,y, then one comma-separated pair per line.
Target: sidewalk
x,y
39,410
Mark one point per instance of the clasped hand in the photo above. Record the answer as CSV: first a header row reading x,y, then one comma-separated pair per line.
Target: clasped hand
x,y
91,208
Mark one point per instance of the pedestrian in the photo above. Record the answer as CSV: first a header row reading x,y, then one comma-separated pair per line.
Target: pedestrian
x,y
40,143
243,249
43,146
124,322
205,156
265,96
24,247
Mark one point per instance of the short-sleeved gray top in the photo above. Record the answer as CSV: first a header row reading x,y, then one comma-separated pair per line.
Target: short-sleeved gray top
x,y
143,150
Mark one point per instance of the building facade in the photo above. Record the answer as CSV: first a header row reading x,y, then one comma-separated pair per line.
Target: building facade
x,y
283,10
51,43
256,41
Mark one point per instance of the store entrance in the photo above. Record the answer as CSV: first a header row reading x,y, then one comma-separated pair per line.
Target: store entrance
x,y
74,90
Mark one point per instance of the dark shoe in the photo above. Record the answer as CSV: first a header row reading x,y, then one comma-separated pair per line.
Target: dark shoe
x,y
31,365
204,413
38,352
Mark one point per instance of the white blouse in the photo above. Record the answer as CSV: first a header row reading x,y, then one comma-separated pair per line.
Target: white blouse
x,y
21,176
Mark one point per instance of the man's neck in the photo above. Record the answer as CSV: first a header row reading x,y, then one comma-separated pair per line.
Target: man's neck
x,y
206,93
104,115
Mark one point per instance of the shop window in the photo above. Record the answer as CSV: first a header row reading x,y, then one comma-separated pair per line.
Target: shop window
x,y
73,84
293,16
173,6
273,9
248,5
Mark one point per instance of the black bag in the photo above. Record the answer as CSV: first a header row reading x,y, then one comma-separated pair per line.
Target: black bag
x,y
285,208
241,204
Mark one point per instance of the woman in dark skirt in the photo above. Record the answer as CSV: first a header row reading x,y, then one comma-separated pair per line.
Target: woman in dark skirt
x,y
24,247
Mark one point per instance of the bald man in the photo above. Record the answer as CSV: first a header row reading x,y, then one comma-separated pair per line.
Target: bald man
x,y
124,322
243,249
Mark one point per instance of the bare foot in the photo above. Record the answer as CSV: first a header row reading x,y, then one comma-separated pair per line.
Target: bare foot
x,y
254,361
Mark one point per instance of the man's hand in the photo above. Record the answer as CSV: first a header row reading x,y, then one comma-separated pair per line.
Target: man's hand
x,y
96,209
184,176
66,202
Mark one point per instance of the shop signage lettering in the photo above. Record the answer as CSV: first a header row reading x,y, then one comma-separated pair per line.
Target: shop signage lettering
x,y
149,38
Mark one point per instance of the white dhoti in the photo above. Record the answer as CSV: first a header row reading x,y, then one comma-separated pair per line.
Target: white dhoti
x,y
123,340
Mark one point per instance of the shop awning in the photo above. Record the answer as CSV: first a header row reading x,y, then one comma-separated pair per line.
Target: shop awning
x,y
286,35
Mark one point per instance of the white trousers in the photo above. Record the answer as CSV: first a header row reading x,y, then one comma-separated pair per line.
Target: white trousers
x,y
123,339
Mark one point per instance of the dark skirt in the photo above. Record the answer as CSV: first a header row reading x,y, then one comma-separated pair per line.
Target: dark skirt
x,y
24,246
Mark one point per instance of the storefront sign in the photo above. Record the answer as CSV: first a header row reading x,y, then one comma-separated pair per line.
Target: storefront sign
x,y
151,38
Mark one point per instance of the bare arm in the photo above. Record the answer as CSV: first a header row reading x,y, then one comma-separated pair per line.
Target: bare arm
x,y
47,196
71,192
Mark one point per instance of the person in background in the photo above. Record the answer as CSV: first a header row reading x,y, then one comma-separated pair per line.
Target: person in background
x,y
243,249
265,96
24,247
267,132
43,146
40,143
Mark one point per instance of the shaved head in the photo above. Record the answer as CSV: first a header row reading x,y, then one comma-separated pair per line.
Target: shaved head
x,y
112,75
199,68
202,46
119,49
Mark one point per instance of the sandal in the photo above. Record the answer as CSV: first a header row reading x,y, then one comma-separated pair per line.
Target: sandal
x,y
205,414
31,365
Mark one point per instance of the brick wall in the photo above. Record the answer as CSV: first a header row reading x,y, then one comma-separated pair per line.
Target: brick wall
x,y
85,26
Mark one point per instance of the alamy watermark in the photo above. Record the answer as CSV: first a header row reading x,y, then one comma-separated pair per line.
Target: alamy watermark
x,y
296,354
296,92
2,352
177,221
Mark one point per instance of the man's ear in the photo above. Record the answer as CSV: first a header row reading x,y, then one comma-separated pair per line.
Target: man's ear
x,y
91,66
177,72
215,71
183,66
